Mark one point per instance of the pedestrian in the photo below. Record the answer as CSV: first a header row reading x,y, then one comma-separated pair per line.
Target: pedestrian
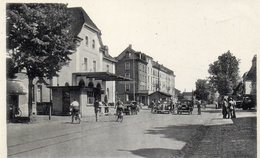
x,y
152,106
96,108
216,104
225,110
199,107
232,105
172,106
106,108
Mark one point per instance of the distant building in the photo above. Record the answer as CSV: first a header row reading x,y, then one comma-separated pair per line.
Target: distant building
x,y
249,79
187,95
148,76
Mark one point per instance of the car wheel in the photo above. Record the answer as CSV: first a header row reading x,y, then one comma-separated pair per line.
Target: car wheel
x,y
244,108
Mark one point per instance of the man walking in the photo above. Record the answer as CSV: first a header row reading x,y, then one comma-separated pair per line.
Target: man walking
x,y
96,109
199,107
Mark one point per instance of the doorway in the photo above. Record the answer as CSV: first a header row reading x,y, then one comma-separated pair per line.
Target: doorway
x,y
65,102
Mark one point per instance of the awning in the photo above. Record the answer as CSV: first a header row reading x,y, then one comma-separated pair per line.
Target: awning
x,y
104,76
16,87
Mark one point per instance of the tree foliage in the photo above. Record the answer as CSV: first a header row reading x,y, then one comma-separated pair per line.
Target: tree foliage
x,y
224,73
11,69
39,39
202,89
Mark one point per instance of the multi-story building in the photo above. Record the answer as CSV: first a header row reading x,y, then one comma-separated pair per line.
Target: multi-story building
x,y
90,73
148,76
88,76
132,64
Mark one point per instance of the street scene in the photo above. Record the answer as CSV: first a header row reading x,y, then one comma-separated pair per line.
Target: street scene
x,y
143,135
135,79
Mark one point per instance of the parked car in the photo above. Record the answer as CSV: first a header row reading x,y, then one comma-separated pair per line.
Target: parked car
x,y
239,103
249,101
185,106
163,108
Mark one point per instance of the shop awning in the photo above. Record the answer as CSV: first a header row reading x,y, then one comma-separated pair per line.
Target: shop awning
x,y
16,87
104,76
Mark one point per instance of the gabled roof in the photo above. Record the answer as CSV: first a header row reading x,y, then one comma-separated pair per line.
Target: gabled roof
x,y
135,55
108,57
81,17
162,93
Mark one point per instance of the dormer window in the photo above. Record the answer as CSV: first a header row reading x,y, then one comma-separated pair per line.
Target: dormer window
x,y
93,44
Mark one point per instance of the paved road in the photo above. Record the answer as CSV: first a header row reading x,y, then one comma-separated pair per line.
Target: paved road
x,y
143,135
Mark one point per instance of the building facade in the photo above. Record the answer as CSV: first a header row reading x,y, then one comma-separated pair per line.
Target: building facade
x,y
90,73
148,77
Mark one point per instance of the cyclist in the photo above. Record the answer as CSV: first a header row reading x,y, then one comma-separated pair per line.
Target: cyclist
x,y
74,109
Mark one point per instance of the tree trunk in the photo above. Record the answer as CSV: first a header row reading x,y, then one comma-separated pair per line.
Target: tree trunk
x,y
30,86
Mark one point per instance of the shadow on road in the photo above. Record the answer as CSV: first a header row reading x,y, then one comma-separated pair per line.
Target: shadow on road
x,y
243,130
156,153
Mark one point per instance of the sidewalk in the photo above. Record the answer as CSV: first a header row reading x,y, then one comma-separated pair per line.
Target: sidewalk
x,y
228,138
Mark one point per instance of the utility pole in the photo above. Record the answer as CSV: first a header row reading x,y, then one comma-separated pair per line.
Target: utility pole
x,y
133,77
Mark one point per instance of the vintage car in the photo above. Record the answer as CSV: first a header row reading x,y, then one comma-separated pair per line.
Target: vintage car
x,y
249,102
185,106
163,108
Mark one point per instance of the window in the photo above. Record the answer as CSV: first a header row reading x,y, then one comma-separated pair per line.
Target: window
x,y
90,100
85,64
39,93
128,54
107,68
127,66
94,66
108,94
127,87
127,75
86,38
33,94
93,44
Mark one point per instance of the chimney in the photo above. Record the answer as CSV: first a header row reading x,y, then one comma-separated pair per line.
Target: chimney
x,y
106,49
130,46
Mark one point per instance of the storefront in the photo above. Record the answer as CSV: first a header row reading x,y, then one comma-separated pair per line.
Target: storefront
x,y
86,88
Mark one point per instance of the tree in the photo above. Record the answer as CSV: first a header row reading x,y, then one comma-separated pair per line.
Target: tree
x,y
224,73
39,39
11,69
202,89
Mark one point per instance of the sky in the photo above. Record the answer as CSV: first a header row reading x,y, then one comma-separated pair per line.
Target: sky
x,y
183,35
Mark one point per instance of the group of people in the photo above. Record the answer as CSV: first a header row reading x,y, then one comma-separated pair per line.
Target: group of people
x,y
228,108
75,110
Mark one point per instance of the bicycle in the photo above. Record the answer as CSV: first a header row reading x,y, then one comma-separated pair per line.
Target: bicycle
x,y
119,115
18,112
75,116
